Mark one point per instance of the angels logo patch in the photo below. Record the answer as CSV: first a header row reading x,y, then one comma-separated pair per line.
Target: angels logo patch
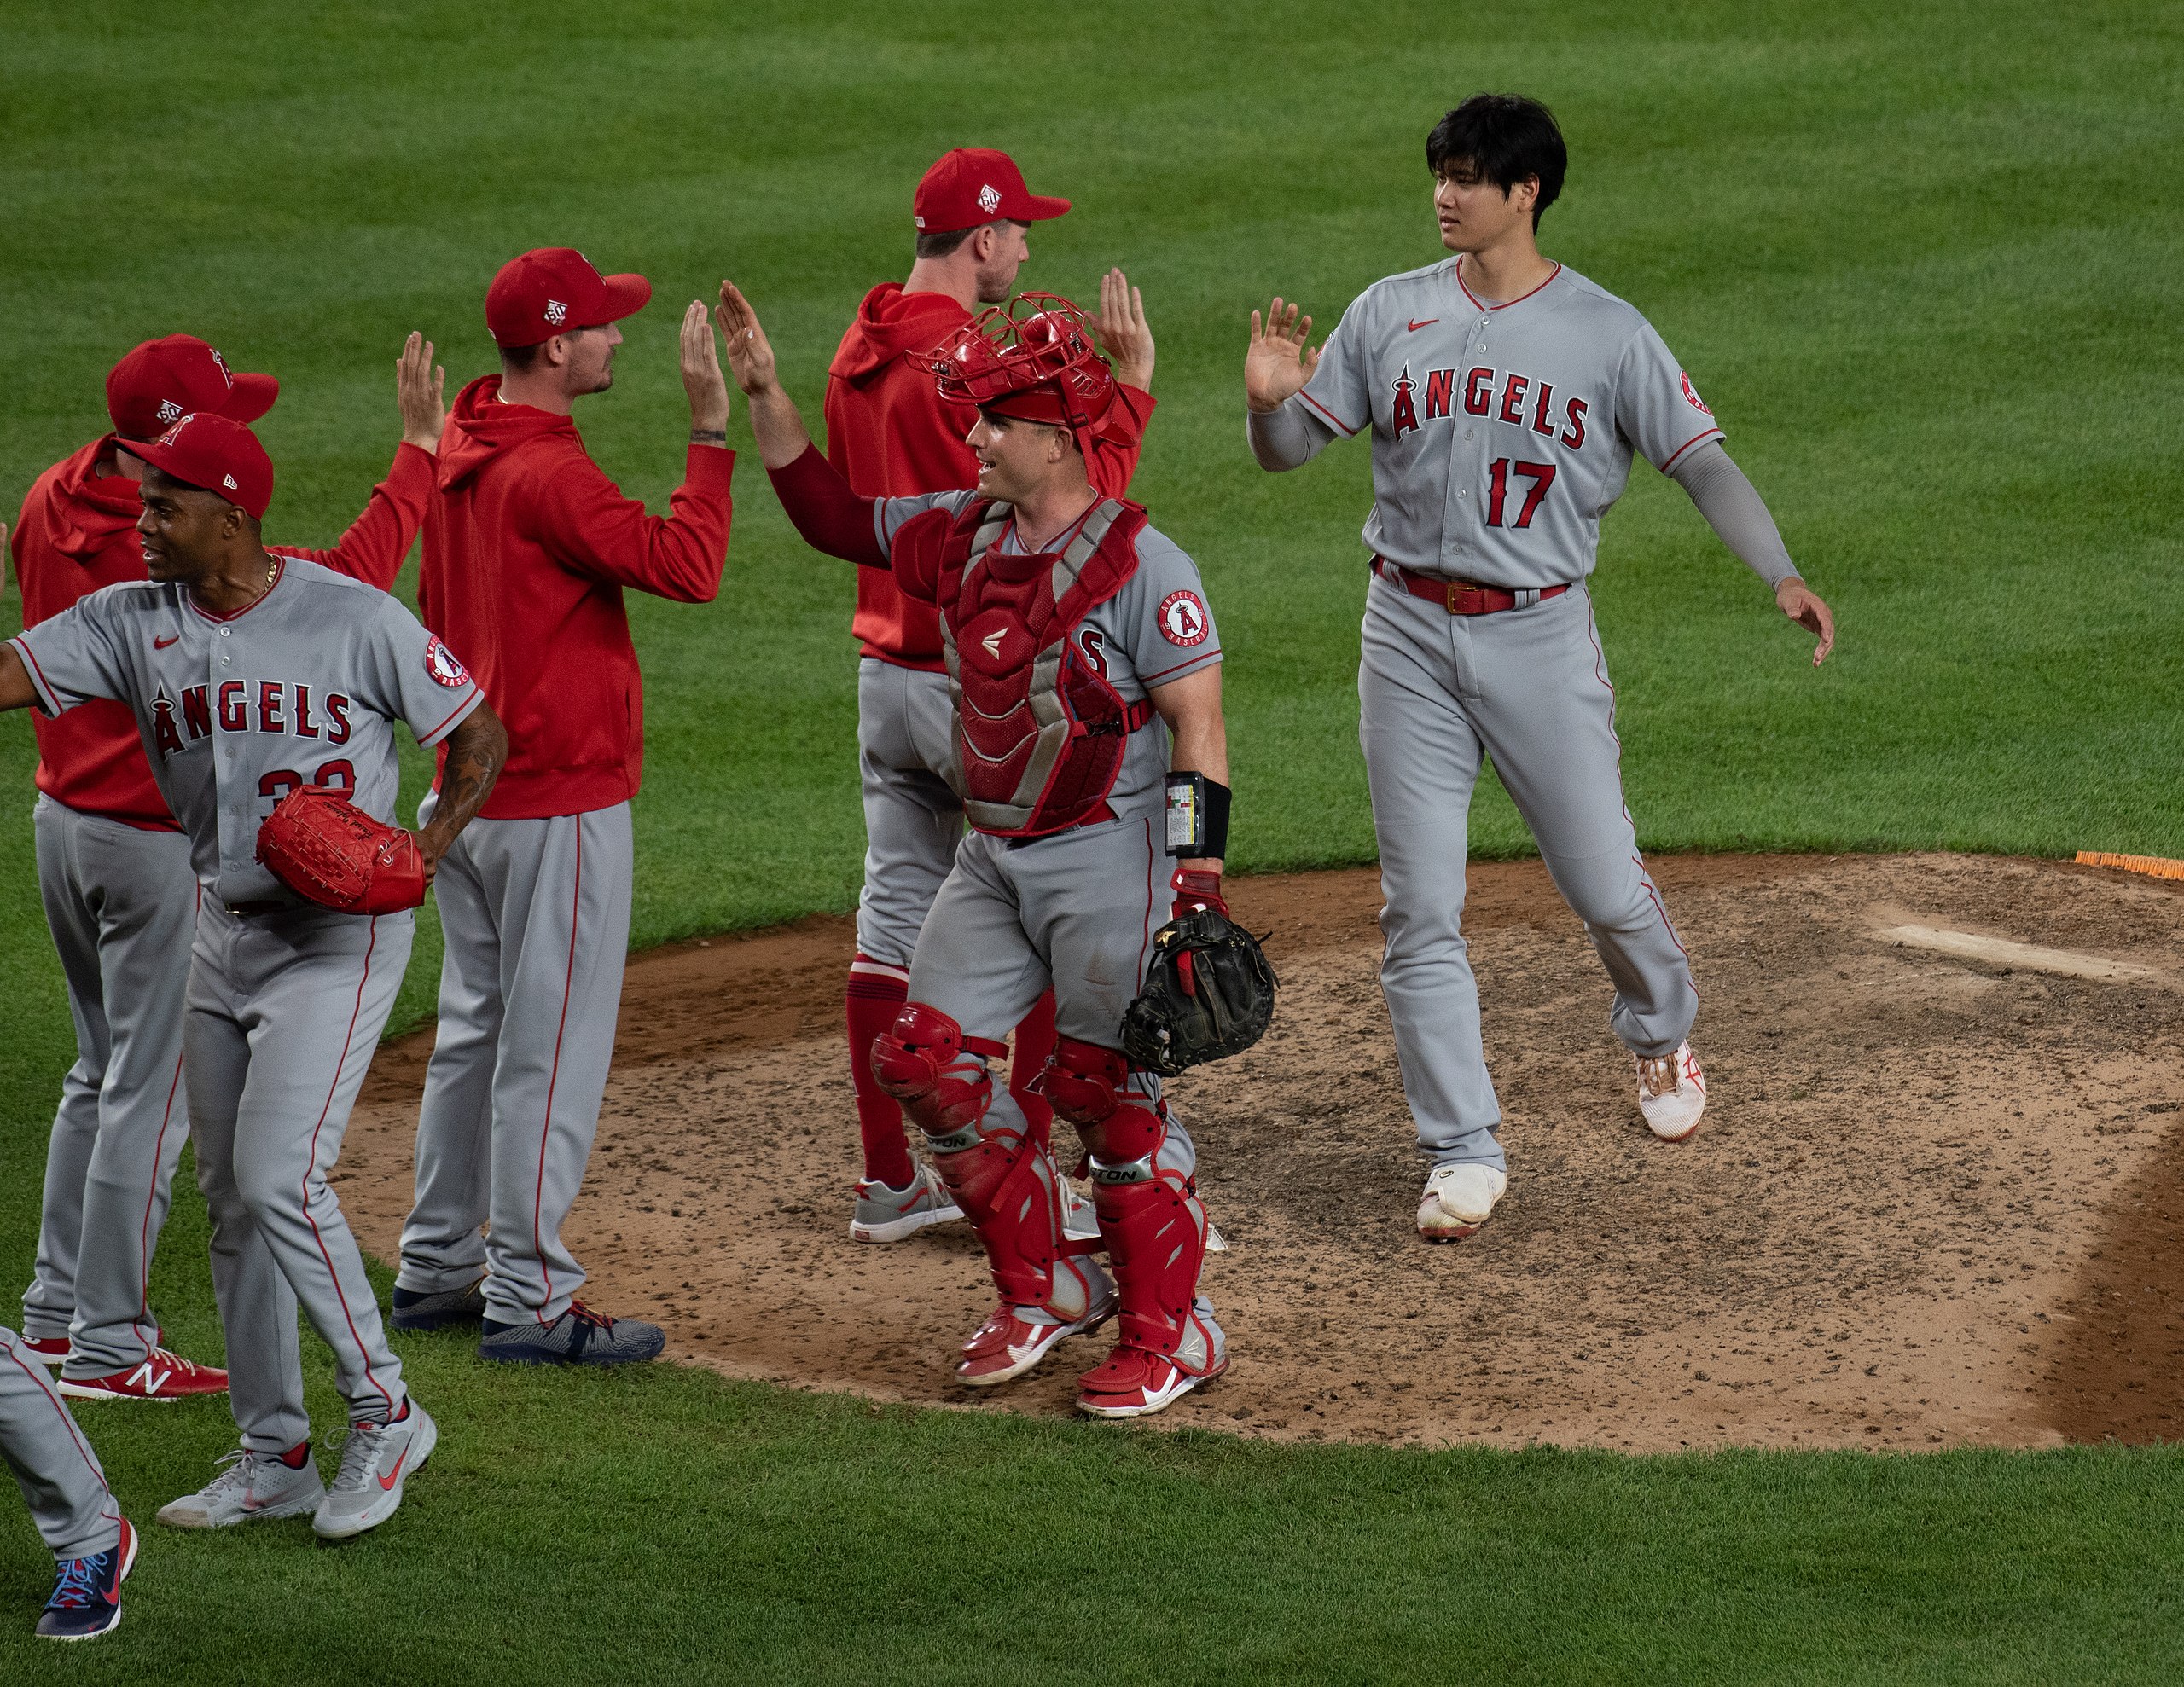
x,y
1183,619
1691,396
440,663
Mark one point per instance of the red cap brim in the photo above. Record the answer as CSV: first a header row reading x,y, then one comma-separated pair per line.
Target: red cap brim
x,y
1043,208
626,295
251,398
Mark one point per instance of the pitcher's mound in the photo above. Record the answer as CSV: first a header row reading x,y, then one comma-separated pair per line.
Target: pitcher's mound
x,y
1934,1199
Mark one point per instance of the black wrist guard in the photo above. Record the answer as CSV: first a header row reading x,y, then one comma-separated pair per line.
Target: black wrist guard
x,y
1198,817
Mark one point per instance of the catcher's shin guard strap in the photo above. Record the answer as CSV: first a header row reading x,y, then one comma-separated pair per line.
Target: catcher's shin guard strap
x,y
1155,1233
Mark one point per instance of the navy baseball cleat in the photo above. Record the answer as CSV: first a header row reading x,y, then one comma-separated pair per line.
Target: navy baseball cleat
x,y
437,1309
578,1337
86,1599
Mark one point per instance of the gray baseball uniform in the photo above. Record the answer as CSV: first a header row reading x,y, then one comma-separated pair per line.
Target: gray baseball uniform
x,y
1075,911
286,999
1501,433
121,902
59,1473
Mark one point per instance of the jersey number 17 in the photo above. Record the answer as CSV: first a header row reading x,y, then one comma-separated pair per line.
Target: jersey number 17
x,y
1542,476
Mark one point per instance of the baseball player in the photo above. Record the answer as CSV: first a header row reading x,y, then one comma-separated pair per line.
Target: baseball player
x,y
891,433
1073,632
64,1485
1505,395
528,549
113,870
253,674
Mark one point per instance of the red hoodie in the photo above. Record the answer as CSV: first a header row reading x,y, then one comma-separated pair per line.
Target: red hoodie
x,y
77,532
892,435
527,549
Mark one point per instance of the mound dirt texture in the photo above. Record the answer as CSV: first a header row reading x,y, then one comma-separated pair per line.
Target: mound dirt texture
x,y
1935,1200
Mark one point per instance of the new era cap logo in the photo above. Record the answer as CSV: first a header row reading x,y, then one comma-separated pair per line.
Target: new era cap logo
x,y
227,481
556,312
169,410
989,199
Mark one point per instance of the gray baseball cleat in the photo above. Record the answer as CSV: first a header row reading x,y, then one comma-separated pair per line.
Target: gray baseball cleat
x,y
255,1486
885,1214
377,1460
413,1310
578,1337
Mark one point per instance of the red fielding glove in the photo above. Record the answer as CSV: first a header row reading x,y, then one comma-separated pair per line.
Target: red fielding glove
x,y
1197,888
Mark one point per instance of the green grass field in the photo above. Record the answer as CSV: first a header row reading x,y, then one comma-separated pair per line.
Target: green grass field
x,y
1919,259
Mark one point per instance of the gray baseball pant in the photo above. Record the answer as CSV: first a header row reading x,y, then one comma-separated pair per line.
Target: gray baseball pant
x,y
537,917
59,1475
1529,687
121,903
912,820
285,1013
1075,913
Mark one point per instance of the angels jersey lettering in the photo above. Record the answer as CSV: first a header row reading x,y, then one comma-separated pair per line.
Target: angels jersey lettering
x,y
1501,433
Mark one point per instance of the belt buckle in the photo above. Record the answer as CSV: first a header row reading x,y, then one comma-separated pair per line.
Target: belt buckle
x,y
1449,589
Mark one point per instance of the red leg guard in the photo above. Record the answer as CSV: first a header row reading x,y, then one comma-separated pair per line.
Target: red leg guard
x,y
1007,1185
872,1001
1150,1217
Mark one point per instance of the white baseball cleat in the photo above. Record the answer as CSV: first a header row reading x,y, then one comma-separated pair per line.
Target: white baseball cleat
x,y
1458,1199
1671,1092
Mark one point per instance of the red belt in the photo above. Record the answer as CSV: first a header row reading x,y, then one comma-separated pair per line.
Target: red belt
x,y
1458,597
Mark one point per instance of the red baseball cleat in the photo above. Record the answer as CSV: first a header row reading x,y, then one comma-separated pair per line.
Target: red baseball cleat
x,y
163,1377
45,1349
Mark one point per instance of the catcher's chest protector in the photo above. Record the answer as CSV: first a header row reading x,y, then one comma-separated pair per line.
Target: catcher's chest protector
x,y
1039,733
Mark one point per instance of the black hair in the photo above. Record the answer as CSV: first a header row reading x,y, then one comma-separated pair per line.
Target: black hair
x,y
1506,138
520,359
941,243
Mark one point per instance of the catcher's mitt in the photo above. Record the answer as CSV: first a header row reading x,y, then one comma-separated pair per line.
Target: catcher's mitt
x,y
322,846
1209,993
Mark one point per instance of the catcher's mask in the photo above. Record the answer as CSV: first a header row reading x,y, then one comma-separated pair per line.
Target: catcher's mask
x,y
1034,359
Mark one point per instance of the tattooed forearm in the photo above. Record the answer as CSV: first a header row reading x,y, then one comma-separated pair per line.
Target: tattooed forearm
x,y
475,752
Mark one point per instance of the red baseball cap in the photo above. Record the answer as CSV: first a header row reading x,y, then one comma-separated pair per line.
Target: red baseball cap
x,y
211,452
973,186
163,381
555,290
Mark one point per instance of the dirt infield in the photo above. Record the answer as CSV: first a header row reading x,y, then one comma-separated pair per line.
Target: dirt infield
x,y
1938,1197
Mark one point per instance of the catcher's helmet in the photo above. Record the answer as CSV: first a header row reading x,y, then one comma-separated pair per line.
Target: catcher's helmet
x,y
1034,359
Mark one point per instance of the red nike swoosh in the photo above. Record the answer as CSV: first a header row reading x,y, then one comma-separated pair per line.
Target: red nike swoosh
x,y
161,644
387,1481
1427,323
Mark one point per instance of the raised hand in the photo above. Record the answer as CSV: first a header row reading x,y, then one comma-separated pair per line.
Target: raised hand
x,y
1124,334
1803,606
701,376
750,355
1277,363
418,390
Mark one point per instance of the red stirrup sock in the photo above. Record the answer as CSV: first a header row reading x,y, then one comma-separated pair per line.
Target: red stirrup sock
x,y
875,995
1035,1042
